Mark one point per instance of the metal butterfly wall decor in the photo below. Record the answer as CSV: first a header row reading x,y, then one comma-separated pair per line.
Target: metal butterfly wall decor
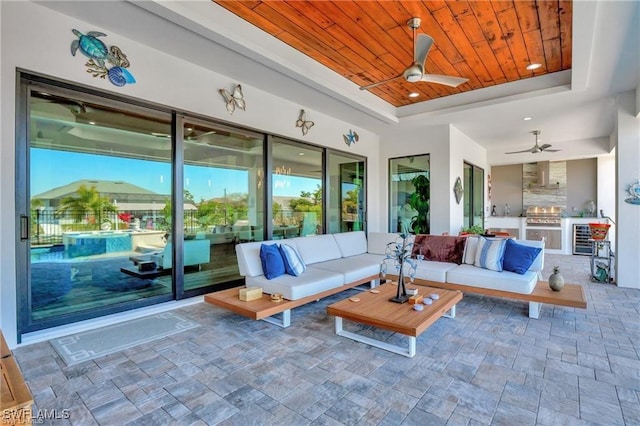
x,y
303,123
104,62
233,100
351,137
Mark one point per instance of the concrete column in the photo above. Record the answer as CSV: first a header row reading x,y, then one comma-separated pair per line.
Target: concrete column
x,y
628,171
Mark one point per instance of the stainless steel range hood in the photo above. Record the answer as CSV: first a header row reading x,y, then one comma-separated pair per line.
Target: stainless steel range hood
x,y
542,170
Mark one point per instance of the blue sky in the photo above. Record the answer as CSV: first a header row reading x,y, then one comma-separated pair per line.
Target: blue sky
x,y
51,169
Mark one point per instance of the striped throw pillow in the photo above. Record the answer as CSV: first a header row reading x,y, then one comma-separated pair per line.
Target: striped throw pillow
x,y
293,263
489,253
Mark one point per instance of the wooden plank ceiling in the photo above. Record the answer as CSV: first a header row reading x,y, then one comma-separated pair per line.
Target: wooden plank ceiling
x,y
488,42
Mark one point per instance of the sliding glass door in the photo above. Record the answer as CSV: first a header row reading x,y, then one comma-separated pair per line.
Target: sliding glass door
x,y
297,189
223,200
346,194
99,178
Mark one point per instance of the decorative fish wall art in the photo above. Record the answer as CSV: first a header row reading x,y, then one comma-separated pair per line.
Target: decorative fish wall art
x,y
351,138
107,63
303,123
233,100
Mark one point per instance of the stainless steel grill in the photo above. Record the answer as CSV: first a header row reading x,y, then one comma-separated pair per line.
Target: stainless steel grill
x,y
544,216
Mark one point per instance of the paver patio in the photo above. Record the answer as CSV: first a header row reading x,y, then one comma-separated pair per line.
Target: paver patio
x,y
490,365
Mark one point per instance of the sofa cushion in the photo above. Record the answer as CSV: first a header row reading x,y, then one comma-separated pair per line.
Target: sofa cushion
x,y
439,248
248,255
489,253
377,241
484,278
317,248
351,243
293,263
433,271
272,261
353,268
470,247
518,257
312,282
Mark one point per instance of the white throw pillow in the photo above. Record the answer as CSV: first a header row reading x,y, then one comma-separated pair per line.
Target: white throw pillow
x,y
489,253
470,248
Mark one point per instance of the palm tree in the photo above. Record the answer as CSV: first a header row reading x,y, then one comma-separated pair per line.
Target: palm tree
x,y
86,205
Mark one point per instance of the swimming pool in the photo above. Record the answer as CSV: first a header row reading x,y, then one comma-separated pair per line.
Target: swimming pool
x,y
98,242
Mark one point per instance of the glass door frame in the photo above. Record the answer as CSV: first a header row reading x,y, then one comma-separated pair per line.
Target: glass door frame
x,y
470,190
327,185
27,83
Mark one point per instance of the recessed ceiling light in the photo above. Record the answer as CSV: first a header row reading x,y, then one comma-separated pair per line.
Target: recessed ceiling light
x,y
301,153
414,94
527,118
92,122
533,66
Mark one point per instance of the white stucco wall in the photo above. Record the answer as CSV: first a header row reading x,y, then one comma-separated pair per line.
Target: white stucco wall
x,y
606,197
449,148
37,39
463,149
402,143
628,170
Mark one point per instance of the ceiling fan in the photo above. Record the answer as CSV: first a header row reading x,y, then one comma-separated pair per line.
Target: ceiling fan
x,y
536,148
415,72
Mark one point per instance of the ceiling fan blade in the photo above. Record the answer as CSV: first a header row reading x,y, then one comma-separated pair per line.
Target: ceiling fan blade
x,y
551,150
447,80
532,150
369,86
421,49
545,146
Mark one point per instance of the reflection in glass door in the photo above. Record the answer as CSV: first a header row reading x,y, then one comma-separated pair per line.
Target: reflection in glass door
x,y
297,190
409,194
99,178
347,196
224,199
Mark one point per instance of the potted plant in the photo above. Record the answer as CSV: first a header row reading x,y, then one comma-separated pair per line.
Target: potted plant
x,y
475,229
419,201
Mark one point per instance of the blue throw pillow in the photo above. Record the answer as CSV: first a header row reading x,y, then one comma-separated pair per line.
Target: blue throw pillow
x,y
518,258
272,262
489,253
293,263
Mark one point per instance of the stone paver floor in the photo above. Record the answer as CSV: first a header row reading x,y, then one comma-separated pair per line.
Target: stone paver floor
x,y
489,365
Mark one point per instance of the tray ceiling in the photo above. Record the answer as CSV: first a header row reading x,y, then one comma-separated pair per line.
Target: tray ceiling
x,y
488,42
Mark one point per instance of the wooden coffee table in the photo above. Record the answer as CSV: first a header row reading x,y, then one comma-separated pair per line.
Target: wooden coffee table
x,y
376,310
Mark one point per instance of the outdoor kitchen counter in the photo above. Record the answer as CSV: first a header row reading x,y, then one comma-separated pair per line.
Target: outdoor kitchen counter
x,y
518,227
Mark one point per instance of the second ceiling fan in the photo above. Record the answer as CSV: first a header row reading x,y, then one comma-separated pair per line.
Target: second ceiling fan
x,y
537,148
415,72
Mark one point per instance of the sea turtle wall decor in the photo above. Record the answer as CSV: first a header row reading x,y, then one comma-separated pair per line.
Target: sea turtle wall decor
x,y
104,62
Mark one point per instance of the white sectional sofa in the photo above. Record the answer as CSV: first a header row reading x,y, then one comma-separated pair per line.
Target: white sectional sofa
x,y
471,278
332,261
338,261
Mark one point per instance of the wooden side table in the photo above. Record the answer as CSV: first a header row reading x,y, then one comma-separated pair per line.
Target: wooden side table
x,y
15,398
